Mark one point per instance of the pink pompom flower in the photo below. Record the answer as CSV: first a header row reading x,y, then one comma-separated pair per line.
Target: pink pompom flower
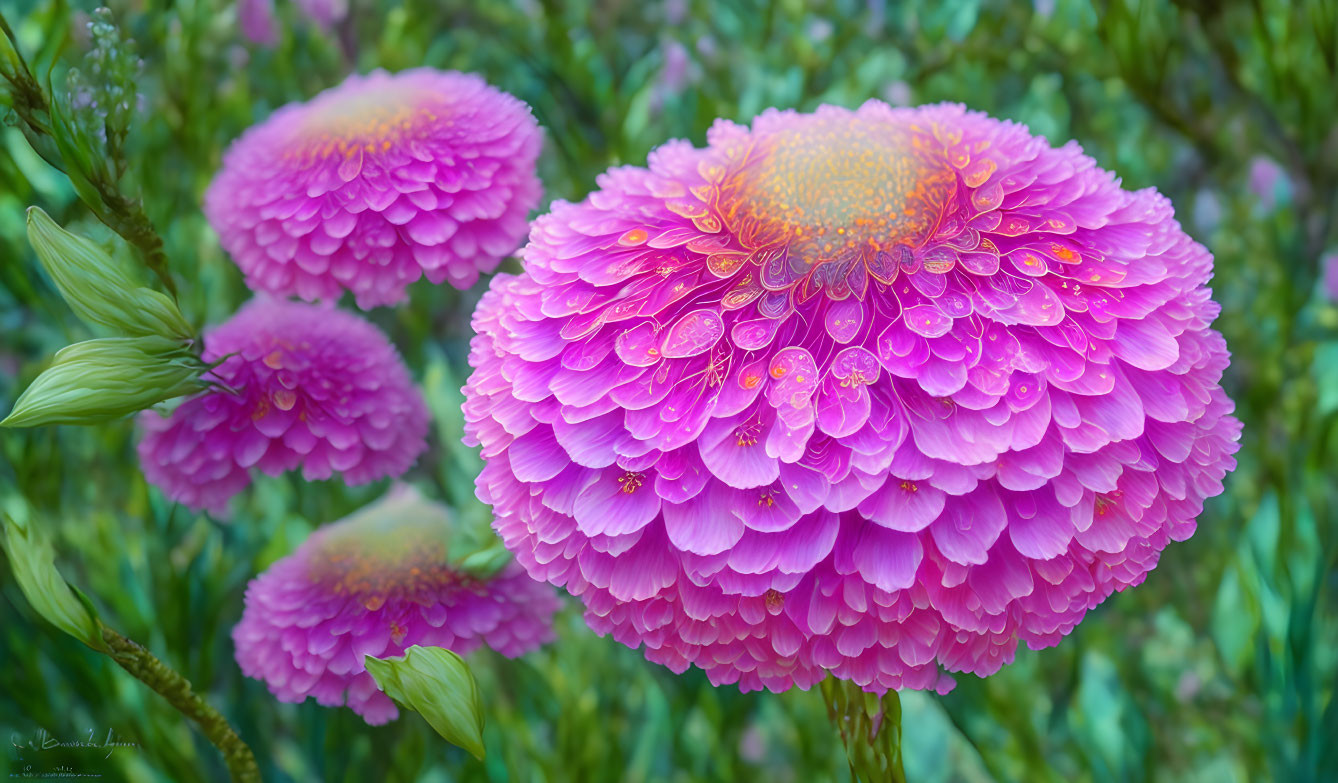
x,y
879,393
301,386
376,182
378,583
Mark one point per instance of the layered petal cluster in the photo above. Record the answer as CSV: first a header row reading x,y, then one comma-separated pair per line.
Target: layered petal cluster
x,y
376,182
378,583
301,385
877,393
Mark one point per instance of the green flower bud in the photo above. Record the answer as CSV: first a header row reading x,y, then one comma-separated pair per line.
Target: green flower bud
x,y
98,287
97,380
33,563
437,684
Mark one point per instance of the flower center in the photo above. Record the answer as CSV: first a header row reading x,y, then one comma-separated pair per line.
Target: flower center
x,y
373,118
394,554
834,190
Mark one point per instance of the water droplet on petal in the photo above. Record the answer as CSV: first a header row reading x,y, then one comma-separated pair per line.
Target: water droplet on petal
x,y
637,346
988,198
843,320
927,321
693,334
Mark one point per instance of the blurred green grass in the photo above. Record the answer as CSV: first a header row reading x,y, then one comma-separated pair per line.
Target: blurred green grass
x,y
1221,667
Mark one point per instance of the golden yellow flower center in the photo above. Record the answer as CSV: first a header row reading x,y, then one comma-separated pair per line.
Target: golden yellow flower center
x,y
387,551
370,120
835,189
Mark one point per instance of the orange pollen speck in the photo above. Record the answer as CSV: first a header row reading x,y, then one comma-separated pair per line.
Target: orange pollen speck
x,y
746,435
634,237
910,486
855,380
774,599
631,481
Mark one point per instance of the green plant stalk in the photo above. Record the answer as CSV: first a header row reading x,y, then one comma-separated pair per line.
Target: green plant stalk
x,y
146,668
96,187
870,729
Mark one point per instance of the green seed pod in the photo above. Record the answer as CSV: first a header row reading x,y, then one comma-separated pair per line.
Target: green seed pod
x,y
98,288
437,684
98,380
33,563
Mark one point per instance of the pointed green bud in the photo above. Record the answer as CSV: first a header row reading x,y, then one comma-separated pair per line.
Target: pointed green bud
x,y
98,287
437,684
33,562
10,62
98,380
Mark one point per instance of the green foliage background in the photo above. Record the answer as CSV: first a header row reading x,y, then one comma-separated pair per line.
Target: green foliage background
x,y
1221,667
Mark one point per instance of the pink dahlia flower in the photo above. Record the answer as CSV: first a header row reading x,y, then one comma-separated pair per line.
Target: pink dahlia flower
x,y
306,386
376,584
877,393
376,182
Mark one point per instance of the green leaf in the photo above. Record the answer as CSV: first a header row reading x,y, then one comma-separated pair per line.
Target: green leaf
x,y
99,380
437,684
870,728
32,560
486,562
99,288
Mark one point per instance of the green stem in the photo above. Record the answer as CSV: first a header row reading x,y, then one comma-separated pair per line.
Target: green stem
x,y
146,668
870,729
121,213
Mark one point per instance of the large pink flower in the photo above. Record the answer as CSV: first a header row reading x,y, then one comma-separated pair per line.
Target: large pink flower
x,y
302,386
376,182
377,584
876,393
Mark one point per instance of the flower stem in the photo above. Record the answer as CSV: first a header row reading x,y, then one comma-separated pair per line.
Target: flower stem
x,y
121,213
870,729
146,668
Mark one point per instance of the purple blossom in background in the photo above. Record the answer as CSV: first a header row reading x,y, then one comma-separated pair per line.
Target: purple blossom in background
x,y
674,75
879,393
325,13
376,584
675,12
306,386
377,182
257,21
1207,211
897,93
1265,178
1329,263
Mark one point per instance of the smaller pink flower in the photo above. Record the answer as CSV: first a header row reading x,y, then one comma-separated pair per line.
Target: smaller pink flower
x,y
301,386
378,182
376,584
